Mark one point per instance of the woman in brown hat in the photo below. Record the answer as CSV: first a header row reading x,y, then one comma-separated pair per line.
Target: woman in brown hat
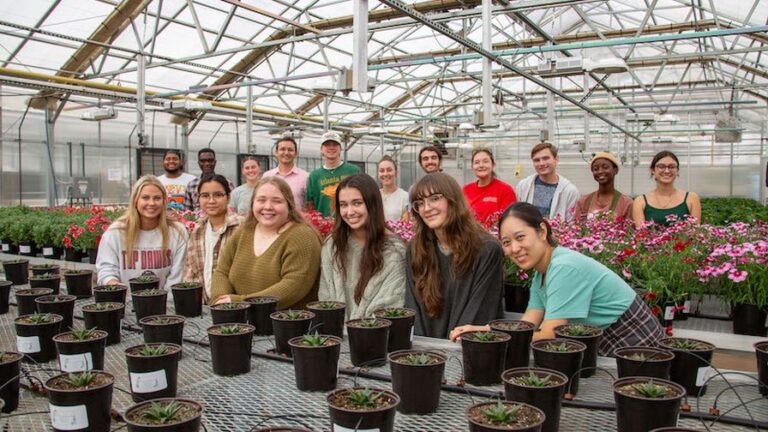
x,y
606,198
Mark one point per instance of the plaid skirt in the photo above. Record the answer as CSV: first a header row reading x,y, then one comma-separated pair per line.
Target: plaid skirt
x,y
635,327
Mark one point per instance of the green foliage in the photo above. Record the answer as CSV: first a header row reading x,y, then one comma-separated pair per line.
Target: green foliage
x,y
578,330
230,329
314,340
418,359
153,350
483,336
326,305
163,412
533,380
683,344
722,211
145,279
369,323
83,334
637,357
651,390
553,347
81,379
291,315
502,413
38,318
364,397
394,313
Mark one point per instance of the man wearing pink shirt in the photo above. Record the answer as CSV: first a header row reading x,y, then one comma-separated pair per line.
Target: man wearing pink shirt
x,y
286,151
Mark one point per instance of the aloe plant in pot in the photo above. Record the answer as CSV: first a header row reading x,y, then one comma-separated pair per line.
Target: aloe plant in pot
x,y
590,336
163,328
25,299
417,377
79,282
315,361
287,325
368,340
329,317
401,330
235,312
644,403
188,298
231,348
63,305
562,355
691,365
80,401
148,281
482,354
504,415
259,313
10,371
104,316
34,336
149,302
360,408
110,293
46,280
153,370
164,415
519,345
17,271
542,388
81,350
643,361
43,269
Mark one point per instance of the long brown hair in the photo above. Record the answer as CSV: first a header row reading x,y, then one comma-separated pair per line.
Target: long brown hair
x,y
285,190
464,237
372,259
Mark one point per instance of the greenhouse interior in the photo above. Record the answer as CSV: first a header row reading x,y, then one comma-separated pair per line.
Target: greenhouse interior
x,y
284,215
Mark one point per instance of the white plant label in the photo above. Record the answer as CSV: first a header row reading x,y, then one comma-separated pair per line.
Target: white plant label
x,y
337,428
28,344
75,362
47,251
669,312
25,248
148,382
69,417
413,328
687,306
6,247
704,374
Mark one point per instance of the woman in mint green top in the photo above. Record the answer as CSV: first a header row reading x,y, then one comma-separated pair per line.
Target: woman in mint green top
x,y
570,287
665,200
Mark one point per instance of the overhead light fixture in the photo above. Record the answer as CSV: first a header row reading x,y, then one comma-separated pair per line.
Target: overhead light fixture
x,y
186,105
106,113
607,65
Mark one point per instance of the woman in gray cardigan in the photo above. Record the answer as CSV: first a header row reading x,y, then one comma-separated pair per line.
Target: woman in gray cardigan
x,y
362,264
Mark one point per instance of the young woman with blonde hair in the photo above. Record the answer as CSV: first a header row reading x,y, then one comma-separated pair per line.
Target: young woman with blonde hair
x,y
143,238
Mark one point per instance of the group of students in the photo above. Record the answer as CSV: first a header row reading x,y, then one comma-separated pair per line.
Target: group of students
x,y
451,272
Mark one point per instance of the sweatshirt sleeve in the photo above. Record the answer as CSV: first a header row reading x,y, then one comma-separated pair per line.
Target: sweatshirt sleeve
x,y
108,258
410,297
220,284
485,299
179,251
391,292
327,291
570,197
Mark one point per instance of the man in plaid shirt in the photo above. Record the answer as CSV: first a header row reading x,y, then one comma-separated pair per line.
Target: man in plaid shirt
x,y
206,160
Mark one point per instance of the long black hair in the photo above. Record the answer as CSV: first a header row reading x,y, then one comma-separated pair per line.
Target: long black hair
x,y
532,217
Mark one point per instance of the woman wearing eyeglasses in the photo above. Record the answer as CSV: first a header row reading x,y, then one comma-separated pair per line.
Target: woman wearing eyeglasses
x,y
211,233
666,200
454,267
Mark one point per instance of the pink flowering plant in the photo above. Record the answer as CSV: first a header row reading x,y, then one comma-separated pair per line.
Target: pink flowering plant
x,y
87,233
187,217
323,225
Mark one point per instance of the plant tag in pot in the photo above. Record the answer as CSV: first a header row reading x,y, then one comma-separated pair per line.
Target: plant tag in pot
x,y
703,374
148,382
28,344
6,247
69,417
75,362
669,313
337,428
25,248
47,251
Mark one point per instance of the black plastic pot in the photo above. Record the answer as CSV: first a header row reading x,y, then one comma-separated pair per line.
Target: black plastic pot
x,y
63,305
316,367
149,302
52,281
401,331
381,418
589,362
329,317
10,370
483,361
27,248
5,293
94,405
79,284
7,247
368,345
259,312
17,271
155,376
230,313
637,413
25,299
156,330
688,366
81,355
418,385
106,319
286,329
73,255
110,294
668,313
519,345
188,299
92,255
548,398
750,319
567,363
529,411
761,353
516,297
657,362
139,285
52,252
231,354
36,340
43,269
133,415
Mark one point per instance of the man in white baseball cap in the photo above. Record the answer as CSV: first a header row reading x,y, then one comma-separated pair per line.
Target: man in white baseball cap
x,y
323,182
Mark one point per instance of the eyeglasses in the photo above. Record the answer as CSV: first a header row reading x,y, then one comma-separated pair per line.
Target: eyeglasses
x,y
215,195
662,167
418,205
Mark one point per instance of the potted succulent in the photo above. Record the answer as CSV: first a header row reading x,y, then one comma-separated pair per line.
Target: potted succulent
x,y
315,361
81,350
148,302
287,325
643,361
761,352
188,298
164,415
79,282
63,305
153,370
401,330
80,401
104,316
235,312
25,299
10,371
691,365
562,355
417,377
504,415
34,336
5,293
587,334
259,313
147,281
163,328
17,271
359,408
111,294
519,345
231,348
368,341
482,354
542,388
329,317
45,269
644,403
45,280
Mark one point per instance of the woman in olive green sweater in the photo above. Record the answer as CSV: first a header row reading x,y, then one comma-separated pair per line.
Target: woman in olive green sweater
x,y
275,252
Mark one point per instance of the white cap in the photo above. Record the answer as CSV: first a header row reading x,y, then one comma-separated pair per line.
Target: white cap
x,y
331,136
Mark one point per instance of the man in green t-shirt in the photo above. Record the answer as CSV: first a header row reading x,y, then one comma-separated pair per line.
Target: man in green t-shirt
x,y
322,182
